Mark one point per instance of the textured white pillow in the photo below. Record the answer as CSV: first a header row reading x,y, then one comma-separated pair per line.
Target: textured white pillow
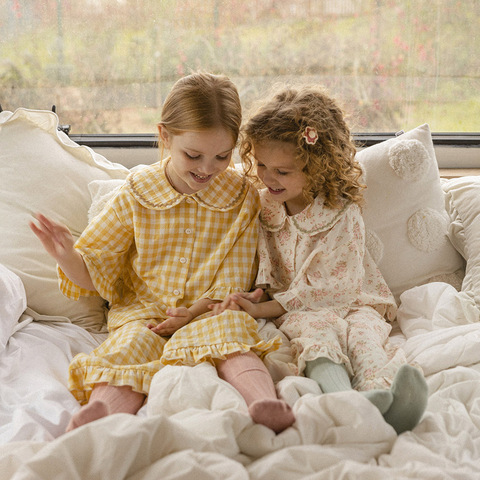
x,y
42,170
13,302
101,192
405,214
462,197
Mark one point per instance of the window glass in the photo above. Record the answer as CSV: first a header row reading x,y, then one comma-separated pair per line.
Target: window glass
x,y
107,64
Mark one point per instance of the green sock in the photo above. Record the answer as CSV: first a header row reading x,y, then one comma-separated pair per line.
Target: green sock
x,y
382,399
333,377
330,376
410,396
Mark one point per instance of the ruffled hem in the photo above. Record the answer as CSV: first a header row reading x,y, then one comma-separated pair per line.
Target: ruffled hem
x,y
373,383
191,356
84,377
382,378
385,378
313,352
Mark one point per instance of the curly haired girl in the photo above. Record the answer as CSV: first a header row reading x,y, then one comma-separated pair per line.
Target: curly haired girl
x,y
319,283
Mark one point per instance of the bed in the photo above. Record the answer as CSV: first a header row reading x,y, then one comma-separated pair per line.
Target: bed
x,y
423,232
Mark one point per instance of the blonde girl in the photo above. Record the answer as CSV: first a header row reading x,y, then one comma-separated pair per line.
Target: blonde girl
x,y
179,234
322,288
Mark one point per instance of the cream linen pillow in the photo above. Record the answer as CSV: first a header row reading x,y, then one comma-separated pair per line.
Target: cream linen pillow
x,y
42,170
462,196
405,217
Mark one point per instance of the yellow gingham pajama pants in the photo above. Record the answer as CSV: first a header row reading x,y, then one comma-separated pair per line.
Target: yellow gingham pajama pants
x,y
133,354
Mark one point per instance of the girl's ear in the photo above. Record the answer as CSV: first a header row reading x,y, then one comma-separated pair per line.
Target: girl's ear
x,y
164,135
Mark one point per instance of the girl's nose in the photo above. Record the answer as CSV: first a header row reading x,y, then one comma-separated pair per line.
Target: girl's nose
x,y
207,167
267,178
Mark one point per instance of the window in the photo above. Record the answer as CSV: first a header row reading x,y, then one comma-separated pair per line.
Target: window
x,y
107,64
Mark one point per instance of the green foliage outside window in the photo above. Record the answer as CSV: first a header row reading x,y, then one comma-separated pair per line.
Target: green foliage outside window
x,y
108,64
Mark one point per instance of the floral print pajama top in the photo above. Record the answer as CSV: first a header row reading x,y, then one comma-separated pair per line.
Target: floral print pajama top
x,y
315,264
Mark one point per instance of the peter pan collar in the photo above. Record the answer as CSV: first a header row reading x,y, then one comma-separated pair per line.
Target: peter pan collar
x,y
312,220
151,188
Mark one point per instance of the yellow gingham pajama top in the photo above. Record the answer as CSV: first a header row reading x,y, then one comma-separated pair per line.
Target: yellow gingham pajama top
x,y
152,248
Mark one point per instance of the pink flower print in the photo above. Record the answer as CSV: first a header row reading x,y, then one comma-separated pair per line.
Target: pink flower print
x,y
339,270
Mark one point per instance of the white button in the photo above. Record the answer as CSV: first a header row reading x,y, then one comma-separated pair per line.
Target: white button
x,y
190,200
183,260
176,292
188,231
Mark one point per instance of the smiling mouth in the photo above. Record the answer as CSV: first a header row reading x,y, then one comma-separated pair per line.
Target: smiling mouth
x,y
201,178
275,191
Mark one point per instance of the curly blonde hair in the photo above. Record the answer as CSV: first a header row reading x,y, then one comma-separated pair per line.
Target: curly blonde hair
x,y
330,167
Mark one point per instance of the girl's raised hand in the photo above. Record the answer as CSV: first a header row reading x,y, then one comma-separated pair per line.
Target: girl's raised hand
x,y
56,238
58,241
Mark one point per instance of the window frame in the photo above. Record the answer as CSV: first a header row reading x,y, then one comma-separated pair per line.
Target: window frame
x,y
457,154
149,140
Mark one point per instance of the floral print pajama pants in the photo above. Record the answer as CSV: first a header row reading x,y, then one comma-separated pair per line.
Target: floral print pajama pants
x,y
357,338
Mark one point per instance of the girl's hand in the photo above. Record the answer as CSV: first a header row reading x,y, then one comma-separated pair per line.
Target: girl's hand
x,y
246,301
178,318
227,304
55,237
59,243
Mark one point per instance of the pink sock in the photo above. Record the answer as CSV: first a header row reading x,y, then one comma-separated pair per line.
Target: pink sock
x,y
248,374
106,400
90,412
274,414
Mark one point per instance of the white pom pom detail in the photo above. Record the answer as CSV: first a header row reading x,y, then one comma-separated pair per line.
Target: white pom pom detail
x,y
427,230
409,159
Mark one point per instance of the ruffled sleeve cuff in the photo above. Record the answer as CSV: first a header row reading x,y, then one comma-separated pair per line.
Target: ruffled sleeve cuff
x,y
70,289
289,301
307,298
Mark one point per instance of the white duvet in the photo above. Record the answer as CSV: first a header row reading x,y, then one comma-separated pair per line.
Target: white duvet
x,y
195,426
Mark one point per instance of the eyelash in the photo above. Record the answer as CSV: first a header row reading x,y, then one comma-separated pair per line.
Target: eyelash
x,y
196,157
278,171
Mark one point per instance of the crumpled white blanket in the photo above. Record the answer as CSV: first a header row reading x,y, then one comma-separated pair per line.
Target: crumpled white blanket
x,y
195,420
195,426
438,336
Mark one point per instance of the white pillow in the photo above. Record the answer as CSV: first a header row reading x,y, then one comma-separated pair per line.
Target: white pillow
x,y
42,170
462,197
405,214
13,302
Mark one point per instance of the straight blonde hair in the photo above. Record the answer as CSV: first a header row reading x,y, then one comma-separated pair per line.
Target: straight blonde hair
x,y
202,101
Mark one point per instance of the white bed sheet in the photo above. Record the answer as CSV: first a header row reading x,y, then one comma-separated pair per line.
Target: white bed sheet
x,y
196,426
34,402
